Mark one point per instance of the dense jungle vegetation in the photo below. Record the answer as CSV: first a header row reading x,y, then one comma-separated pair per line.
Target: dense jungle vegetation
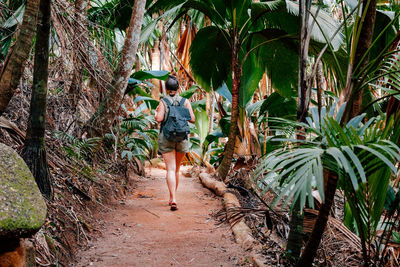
x,y
301,98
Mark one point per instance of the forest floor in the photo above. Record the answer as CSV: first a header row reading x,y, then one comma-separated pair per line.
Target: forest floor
x,y
142,231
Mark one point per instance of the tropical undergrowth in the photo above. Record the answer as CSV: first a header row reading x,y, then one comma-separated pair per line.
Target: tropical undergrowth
x,y
364,157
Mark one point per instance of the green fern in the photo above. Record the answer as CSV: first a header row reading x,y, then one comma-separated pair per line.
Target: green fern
x,y
138,140
78,149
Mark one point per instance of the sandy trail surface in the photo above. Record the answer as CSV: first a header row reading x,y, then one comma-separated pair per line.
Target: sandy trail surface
x,y
144,232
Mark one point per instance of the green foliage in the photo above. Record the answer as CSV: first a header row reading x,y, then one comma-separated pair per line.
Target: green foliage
x,y
280,59
209,57
225,92
139,86
284,16
111,13
150,74
379,53
190,92
200,104
150,29
383,18
253,70
136,137
10,17
80,151
362,156
201,124
267,38
108,21
76,148
225,124
139,79
277,106
201,129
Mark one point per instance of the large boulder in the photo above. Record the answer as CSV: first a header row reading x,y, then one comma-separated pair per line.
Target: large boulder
x,y
22,207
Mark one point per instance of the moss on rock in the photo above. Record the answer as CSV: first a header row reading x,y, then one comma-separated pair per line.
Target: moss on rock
x,y
22,207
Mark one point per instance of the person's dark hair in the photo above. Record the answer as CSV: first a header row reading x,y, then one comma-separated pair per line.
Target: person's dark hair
x,y
172,83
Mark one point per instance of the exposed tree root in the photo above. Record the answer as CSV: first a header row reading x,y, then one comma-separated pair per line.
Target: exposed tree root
x,y
219,188
239,228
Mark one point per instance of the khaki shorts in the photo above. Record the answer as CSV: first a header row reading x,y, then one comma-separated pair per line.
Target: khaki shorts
x,y
165,146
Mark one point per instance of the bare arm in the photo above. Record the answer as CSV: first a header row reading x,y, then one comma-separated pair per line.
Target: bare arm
x,y
160,111
188,106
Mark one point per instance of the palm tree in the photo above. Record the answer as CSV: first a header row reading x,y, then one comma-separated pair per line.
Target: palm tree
x,y
255,37
360,48
356,157
34,151
295,238
18,54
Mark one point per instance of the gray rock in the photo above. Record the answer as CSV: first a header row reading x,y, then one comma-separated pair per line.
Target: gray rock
x,y
22,207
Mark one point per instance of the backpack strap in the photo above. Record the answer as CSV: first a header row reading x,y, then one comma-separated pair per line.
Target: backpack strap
x,y
166,101
182,102
167,104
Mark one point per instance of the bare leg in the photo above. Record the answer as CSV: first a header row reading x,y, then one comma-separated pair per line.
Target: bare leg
x,y
169,159
179,157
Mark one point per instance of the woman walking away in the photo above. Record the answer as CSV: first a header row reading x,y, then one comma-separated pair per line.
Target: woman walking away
x,y
173,113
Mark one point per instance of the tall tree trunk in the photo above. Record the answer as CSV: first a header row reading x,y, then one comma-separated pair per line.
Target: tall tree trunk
x,y
210,99
264,87
393,106
353,107
18,55
303,100
210,114
352,94
34,151
108,109
393,109
295,239
225,166
310,250
319,78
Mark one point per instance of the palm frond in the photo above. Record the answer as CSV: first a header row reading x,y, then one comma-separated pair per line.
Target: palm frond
x,y
362,155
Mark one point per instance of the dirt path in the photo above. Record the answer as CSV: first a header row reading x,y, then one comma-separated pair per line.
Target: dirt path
x,y
144,232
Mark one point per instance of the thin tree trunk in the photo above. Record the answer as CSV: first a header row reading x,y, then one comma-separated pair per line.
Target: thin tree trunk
x,y
310,250
225,166
34,151
319,77
295,240
353,107
18,55
108,109
349,95
393,106
208,109
211,112
303,92
393,109
264,87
